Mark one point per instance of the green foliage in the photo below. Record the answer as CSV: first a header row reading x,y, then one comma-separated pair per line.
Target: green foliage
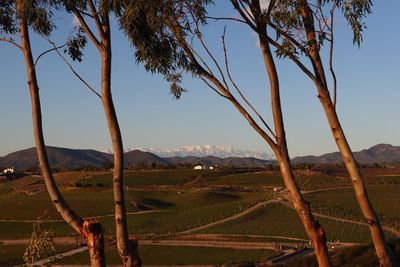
x,y
36,14
7,17
355,11
76,44
149,26
291,30
40,244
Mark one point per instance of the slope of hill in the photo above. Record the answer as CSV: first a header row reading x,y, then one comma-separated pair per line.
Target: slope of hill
x,y
137,157
78,158
212,161
58,158
381,153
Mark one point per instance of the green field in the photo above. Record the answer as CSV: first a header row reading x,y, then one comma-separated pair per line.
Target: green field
x,y
305,182
172,210
342,203
11,255
279,220
162,203
160,177
176,255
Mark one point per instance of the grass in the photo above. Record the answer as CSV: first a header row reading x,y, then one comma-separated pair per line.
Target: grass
x,y
11,255
22,230
357,256
180,210
159,177
306,182
177,255
195,205
279,220
342,203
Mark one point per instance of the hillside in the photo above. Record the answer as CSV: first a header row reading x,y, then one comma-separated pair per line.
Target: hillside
x,y
137,157
216,161
78,158
381,153
58,158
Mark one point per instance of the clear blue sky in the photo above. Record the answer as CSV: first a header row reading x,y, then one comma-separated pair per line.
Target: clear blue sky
x,y
368,95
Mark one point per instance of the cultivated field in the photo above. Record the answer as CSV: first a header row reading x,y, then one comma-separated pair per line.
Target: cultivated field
x,y
231,206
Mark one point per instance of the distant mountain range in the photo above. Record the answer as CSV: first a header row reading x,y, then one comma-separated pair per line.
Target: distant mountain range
x,y
381,153
204,151
78,158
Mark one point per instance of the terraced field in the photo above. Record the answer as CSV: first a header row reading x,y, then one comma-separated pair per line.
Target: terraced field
x,y
160,204
279,220
162,255
150,212
342,203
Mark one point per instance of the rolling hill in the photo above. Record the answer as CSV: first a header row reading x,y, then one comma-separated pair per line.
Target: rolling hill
x,y
381,153
216,161
78,158
58,158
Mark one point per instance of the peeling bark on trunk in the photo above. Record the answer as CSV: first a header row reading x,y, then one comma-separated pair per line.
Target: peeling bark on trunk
x,y
62,207
94,233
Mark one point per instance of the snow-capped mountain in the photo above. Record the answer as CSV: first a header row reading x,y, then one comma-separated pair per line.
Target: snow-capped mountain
x,y
206,150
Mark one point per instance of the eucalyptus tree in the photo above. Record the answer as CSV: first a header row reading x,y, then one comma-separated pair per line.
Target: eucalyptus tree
x,y
16,18
300,30
163,34
97,13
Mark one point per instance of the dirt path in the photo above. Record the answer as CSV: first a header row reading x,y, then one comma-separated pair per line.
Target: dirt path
x,y
231,236
210,243
231,218
387,228
93,217
46,261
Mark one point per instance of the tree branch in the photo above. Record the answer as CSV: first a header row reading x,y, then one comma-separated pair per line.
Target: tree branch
x,y
218,85
198,35
212,87
238,89
86,28
244,16
11,42
227,18
289,37
332,11
96,19
73,70
201,59
48,51
295,60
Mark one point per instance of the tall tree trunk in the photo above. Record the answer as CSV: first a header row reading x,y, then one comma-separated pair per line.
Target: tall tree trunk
x,y
83,227
127,249
313,228
385,254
